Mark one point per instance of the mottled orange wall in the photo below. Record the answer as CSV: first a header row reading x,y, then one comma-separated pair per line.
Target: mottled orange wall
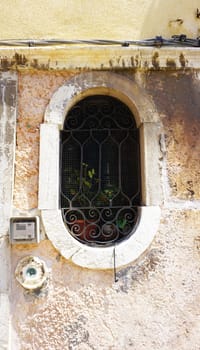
x,y
34,93
177,99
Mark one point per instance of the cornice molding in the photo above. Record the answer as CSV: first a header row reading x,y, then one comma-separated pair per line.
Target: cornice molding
x,y
99,58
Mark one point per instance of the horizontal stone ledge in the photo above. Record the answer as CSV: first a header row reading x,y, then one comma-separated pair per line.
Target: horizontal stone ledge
x,y
95,57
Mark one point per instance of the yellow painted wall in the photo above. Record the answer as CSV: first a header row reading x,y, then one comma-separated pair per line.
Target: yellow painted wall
x,y
86,19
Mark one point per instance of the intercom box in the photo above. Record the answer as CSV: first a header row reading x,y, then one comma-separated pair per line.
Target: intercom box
x,y
25,230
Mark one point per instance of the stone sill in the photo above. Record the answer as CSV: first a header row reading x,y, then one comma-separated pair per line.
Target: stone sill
x,y
102,258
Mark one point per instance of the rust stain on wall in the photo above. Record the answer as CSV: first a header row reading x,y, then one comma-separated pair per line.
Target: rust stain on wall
x,y
17,60
20,60
155,60
170,63
60,59
182,60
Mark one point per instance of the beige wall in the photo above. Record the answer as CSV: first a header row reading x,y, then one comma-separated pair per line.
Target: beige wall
x,y
83,19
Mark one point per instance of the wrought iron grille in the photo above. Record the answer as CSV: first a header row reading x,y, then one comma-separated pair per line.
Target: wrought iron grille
x,y
100,171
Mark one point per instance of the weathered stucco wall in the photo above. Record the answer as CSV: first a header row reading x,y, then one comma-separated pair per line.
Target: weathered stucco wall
x,y
114,19
154,304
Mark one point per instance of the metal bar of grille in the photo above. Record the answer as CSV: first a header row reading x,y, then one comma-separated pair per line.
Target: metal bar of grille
x,y
114,266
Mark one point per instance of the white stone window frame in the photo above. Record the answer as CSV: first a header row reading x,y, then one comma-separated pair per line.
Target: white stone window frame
x,y
148,122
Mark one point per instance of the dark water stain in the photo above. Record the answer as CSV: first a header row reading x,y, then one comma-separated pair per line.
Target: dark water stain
x,y
129,276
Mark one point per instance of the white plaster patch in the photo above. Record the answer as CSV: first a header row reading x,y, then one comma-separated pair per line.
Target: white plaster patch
x,y
55,108
4,321
49,172
4,264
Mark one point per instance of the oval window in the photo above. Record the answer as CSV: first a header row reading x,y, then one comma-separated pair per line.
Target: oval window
x,y
100,187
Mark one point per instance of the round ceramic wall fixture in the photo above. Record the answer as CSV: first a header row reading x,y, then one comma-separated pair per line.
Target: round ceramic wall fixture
x,y
31,272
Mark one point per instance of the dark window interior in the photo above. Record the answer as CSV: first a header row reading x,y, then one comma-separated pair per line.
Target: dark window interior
x,y
100,171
